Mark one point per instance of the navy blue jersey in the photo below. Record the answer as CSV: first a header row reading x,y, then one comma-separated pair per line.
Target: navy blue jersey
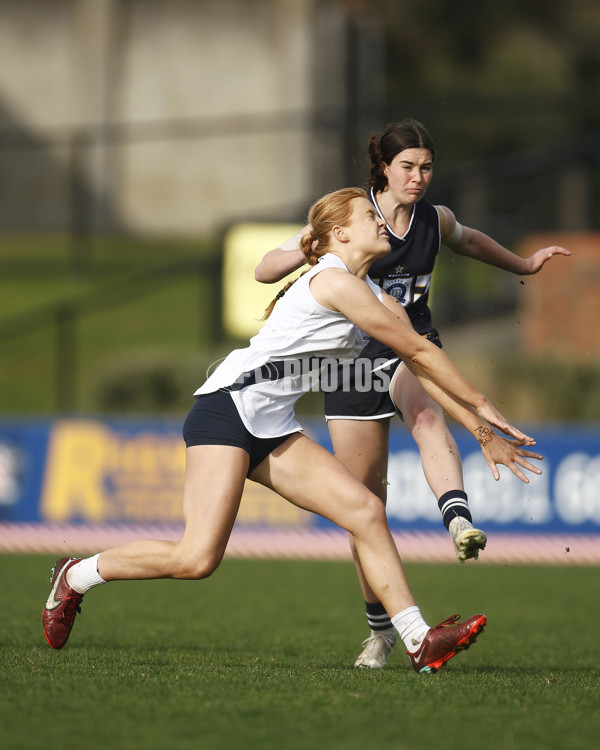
x,y
406,275
406,272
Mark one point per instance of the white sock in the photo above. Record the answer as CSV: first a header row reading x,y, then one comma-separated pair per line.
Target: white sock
x,y
84,575
411,627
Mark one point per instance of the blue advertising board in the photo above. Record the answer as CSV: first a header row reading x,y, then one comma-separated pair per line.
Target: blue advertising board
x,y
565,497
131,471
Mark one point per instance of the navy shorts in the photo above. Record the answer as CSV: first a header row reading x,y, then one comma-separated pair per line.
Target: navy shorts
x,y
363,390
357,399
214,420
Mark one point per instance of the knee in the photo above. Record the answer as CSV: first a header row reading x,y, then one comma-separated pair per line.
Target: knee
x,y
426,420
371,513
195,566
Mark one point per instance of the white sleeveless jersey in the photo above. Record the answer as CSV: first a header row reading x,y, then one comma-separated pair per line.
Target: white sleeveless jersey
x,y
284,359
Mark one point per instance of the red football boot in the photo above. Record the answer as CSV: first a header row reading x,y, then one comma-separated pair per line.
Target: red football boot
x,y
445,641
63,604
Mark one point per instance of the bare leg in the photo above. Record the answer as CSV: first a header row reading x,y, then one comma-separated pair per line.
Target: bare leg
x,y
330,490
363,446
214,480
213,487
425,421
441,462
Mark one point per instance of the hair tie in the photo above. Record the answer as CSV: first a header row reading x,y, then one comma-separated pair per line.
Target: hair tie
x,y
280,294
313,245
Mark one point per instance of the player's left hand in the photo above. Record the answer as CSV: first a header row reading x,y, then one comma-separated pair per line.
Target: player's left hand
x,y
500,450
537,260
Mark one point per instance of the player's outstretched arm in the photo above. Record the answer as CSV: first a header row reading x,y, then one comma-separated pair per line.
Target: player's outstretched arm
x,y
495,448
475,244
389,324
441,378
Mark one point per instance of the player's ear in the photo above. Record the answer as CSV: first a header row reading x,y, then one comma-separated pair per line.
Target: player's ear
x,y
340,234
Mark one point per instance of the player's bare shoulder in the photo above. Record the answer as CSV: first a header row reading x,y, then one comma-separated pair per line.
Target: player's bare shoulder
x,y
330,285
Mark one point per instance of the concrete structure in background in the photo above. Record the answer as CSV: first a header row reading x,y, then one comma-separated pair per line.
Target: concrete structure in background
x,y
176,116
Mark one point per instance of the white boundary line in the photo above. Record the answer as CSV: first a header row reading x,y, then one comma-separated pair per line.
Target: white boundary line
x,y
308,544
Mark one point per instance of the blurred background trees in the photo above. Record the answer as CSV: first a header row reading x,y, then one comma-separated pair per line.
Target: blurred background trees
x,y
529,69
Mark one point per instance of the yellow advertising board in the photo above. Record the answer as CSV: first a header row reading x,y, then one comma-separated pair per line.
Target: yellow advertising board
x,y
96,473
244,298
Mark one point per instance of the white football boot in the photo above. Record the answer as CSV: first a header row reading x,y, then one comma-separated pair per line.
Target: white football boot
x,y
376,648
468,541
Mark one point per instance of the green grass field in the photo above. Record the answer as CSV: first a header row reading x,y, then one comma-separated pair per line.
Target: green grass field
x,y
260,656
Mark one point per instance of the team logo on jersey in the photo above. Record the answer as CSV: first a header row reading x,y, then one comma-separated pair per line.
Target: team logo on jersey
x,y
399,288
407,289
